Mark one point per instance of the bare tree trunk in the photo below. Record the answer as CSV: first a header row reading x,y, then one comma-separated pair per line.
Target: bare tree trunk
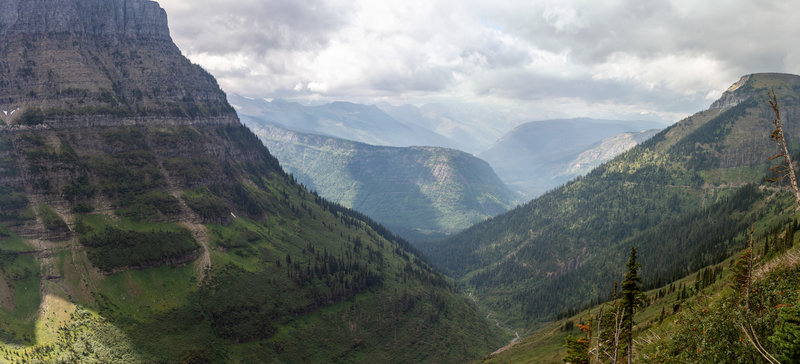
x,y
618,318
783,150
749,273
599,320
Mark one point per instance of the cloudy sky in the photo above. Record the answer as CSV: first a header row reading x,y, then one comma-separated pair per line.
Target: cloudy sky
x,y
631,59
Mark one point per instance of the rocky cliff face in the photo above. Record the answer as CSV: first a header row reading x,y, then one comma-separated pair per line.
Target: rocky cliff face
x,y
756,86
606,149
730,97
97,57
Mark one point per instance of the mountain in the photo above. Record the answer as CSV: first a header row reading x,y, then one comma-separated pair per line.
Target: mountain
x,y
468,127
537,156
684,198
418,192
362,123
604,151
141,222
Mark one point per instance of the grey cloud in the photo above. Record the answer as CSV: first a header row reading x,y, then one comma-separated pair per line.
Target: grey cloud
x,y
524,85
742,32
735,37
223,26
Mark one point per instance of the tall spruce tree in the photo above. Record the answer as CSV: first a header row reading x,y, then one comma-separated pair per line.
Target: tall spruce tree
x,y
631,301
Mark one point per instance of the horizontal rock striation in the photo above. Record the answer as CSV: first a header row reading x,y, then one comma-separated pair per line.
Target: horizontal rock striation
x,y
97,57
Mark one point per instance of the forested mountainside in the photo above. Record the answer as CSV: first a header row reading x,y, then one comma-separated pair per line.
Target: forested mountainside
x,y
141,222
683,198
538,156
419,192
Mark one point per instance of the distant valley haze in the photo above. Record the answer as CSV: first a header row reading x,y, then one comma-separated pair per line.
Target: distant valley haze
x,y
508,62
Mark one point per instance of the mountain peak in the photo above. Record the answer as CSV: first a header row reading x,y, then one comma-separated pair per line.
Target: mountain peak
x,y
755,85
98,57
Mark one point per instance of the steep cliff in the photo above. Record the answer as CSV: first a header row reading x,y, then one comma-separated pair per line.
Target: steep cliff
x,y
92,57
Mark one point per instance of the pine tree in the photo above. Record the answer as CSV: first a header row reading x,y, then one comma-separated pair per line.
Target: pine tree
x,y
577,350
631,300
742,274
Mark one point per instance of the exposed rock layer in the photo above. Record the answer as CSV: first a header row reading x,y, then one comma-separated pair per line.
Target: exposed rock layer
x,y
98,57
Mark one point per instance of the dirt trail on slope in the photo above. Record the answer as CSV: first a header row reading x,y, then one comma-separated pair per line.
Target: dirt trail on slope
x,y
204,263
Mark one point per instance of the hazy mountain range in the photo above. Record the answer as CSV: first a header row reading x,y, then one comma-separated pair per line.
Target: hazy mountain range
x,y
419,192
537,156
531,158
356,122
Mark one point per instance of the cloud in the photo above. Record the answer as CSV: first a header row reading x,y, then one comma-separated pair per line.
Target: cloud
x,y
573,57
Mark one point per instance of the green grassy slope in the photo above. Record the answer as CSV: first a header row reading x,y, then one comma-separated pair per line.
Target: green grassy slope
x,y
675,197
419,192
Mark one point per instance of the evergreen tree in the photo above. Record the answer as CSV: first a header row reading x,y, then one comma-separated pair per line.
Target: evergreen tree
x,y
577,350
631,300
741,274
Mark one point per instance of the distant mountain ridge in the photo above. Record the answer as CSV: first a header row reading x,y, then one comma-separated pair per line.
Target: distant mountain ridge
x,y
531,158
361,123
419,192
468,127
540,155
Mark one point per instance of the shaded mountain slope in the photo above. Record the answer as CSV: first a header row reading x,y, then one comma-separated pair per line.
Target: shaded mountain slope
x,y
419,192
152,226
676,197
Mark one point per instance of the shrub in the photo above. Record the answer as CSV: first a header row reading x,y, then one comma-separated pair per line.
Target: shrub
x,y
51,220
31,116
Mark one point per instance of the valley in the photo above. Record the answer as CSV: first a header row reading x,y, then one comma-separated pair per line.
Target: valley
x,y
147,216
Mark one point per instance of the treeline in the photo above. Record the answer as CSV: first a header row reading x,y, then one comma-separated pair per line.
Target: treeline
x,y
343,276
113,248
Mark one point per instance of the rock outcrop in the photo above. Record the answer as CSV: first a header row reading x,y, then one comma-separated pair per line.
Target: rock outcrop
x,y
97,57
